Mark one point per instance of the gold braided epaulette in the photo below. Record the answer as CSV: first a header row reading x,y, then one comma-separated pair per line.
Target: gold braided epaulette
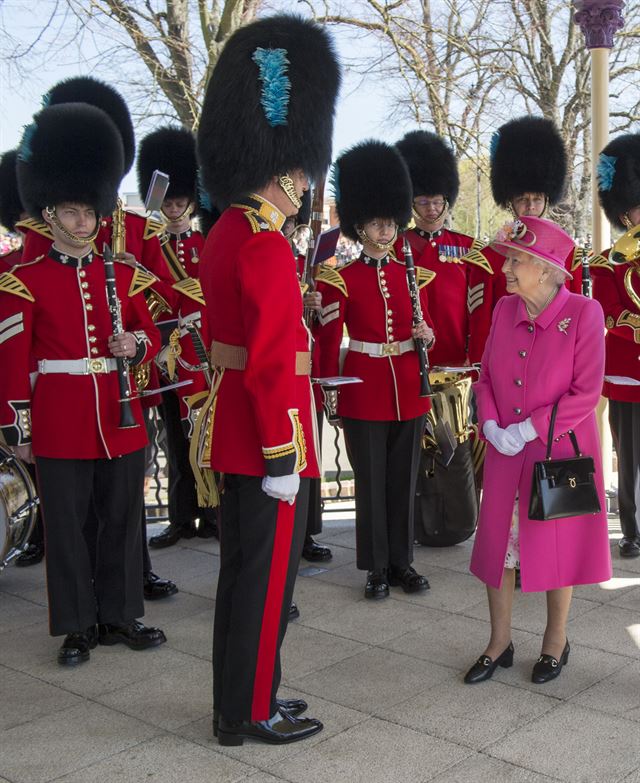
x,y
10,284
141,280
476,257
190,287
39,226
331,276
600,262
578,253
424,276
153,228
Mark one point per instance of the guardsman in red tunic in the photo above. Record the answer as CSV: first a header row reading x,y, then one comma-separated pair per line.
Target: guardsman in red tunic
x,y
383,417
615,288
172,150
138,243
528,174
434,175
67,415
265,130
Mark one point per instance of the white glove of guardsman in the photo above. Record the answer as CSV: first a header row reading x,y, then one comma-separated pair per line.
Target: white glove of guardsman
x,y
503,440
282,487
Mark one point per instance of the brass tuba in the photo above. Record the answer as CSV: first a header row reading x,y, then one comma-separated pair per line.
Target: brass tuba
x,y
626,250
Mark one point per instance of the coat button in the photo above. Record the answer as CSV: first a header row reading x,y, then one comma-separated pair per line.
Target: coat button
x,y
530,328
517,410
517,381
522,354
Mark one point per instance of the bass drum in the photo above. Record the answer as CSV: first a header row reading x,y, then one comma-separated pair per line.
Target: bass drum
x,y
18,507
446,502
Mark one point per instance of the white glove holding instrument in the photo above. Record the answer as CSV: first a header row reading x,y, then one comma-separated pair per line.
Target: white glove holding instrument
x,y
503,440
523,431
282,487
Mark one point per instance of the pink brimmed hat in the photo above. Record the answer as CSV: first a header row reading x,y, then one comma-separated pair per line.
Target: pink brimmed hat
x,y
542,238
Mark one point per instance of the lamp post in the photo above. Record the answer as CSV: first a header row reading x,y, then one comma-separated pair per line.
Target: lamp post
x,y
599,20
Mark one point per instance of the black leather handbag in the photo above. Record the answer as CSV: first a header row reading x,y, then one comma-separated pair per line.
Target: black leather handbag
x,y
563,487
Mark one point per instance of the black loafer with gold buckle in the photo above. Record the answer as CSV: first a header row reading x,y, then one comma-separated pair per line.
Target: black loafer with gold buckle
x,y
548,668
485,666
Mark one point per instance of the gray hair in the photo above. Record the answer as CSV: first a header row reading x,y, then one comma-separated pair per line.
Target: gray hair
x,y
556,275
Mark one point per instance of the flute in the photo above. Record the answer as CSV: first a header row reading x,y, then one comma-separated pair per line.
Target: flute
x,y
127,419
421,346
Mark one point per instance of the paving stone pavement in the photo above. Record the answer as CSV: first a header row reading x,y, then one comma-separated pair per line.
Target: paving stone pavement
x,y
384,677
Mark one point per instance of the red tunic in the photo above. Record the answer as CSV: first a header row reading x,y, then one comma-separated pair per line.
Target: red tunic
x,y
56,310
263,421
485,290
10,259
373,303
622,319
448,293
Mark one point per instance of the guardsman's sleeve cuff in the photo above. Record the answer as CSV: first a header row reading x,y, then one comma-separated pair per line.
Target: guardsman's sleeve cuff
x,y
287,458
19,432
142,344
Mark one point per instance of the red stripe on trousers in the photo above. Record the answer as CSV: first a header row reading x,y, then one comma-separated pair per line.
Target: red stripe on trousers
x,y
272,614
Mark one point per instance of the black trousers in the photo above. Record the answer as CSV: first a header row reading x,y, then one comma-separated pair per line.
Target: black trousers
x,y
314,514
385,456
260,545
37,534
73,492
624,418
183,499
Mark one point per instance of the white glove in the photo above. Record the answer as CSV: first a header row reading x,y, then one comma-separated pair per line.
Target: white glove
x,y
282,487
523,431
503,440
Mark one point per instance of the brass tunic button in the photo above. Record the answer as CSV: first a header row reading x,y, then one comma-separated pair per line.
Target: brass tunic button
x,y
93,339
85,284
89,306
87,295
91,327
82,273
94,350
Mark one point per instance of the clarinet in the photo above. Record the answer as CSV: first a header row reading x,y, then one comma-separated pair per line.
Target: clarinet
x,y
587,285
421,347
127,419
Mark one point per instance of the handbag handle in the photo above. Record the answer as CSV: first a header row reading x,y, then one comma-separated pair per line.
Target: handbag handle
x,y
572,435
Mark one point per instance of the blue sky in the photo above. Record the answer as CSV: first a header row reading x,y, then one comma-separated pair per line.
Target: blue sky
x,y
361,110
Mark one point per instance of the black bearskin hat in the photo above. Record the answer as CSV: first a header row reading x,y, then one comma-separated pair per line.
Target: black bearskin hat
x,y
269,107
432,165
371,180
619,177
527,156
172,150
10,205
86,89
71,152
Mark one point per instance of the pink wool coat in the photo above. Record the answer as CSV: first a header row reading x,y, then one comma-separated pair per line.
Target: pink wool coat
x,y
526,368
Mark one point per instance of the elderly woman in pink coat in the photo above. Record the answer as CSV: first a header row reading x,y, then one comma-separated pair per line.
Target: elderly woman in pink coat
x,y
546,346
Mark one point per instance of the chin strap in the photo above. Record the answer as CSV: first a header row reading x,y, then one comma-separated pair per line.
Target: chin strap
x,y
187,213
76,240
364,237
286,183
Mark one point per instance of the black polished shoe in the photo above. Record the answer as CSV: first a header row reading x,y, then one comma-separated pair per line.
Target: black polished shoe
x,y
171,536
155,588
207,529
294,612
628,547
135,635
315,553
278,730
294,707
76,647
484,667
377,585
548,668
32,555
407,578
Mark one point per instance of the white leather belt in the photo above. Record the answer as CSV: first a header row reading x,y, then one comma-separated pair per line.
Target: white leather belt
x,y
101,364
382,349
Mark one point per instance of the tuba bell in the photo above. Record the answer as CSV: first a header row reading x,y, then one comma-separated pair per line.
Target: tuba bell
x,y
626,250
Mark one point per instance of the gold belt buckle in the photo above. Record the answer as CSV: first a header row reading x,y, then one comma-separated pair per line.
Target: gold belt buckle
x,y
98,365
390,349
